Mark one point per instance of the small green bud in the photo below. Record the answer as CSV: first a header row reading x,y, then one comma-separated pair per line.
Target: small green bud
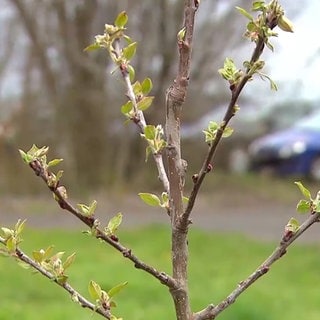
x,y
285,24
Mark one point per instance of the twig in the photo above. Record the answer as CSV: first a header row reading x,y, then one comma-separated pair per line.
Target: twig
x,y
211,311
93,224
75,295
230,112
140,121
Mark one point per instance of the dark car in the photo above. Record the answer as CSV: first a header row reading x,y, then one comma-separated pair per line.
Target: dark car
x,y
294,151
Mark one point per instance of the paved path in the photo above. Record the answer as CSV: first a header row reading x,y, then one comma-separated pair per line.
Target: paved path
x,y
256,218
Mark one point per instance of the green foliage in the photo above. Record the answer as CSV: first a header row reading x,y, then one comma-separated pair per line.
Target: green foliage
x,y
53,263
88,210
230,72
181,34
271,14
113,224
102,298
307,205
121,19
129,51
150,199
212,130
292,226
154,135
12,237
40,154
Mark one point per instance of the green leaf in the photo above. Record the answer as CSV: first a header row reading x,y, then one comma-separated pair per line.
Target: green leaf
x,y
258,6
304,206
94,290
316,205
129,51
306,193
181,34
115,290
59,175
27,158
48,252
19,227
38,255
132,72
83,208
62,279
38,152
114,223
7,232
146,86
150,199
69,261
213,126
293,225
150,132
145,103
54,162
121,19
245,13
127,107
137,89
92,208
227,132
127,38
11,244
92,47
273,85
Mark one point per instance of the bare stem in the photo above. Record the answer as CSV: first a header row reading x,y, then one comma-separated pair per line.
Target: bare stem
x,y
93,224
75,295
212,311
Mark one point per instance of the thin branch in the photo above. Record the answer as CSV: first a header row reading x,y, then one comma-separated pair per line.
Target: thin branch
x,y
230,112
75,295
211,311
93,224
140,121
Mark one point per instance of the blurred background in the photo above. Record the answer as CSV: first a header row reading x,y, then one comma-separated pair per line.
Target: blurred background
x,y
52,93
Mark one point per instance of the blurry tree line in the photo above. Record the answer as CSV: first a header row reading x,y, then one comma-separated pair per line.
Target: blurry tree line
x,y
68,102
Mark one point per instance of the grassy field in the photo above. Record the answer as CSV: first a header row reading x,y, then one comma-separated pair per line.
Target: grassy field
x,y
217,263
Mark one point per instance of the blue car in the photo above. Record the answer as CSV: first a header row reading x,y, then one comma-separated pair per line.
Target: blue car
x,y
294,151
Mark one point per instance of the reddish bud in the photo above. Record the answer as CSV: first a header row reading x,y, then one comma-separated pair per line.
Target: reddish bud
x,y
209,167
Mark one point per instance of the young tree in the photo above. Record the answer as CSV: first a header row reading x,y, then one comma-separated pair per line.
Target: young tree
x,y
163,142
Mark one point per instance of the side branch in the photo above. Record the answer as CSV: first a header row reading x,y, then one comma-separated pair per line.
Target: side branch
x,y
140,121
75,295
93,224
215,143
211,311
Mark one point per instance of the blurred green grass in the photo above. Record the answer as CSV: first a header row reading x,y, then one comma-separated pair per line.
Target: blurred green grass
x,y
217,263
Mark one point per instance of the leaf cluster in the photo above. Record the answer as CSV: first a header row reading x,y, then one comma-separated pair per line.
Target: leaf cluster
x,y
270,15
154,135
104,299
212,129
142,100
12,237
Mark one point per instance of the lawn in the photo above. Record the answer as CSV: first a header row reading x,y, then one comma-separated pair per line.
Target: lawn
x,y
217,263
